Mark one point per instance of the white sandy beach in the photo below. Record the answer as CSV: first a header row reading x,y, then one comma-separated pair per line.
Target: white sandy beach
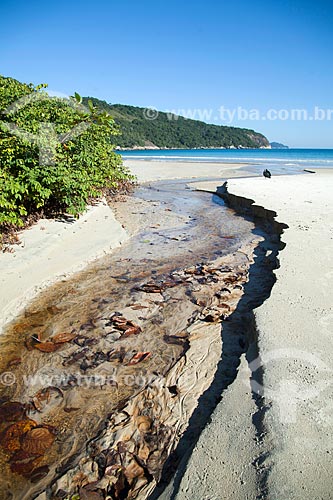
x,y
294,325
50,251
149,171
295,328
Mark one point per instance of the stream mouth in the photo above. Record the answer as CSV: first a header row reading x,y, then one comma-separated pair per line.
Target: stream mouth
x,y
95,397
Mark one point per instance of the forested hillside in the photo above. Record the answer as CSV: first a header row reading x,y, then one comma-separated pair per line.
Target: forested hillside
x,y
174,132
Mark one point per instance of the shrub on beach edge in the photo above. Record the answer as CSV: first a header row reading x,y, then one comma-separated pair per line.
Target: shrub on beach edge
x,y
55,153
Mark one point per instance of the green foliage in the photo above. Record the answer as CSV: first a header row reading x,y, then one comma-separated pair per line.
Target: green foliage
x,y
55,153
174,131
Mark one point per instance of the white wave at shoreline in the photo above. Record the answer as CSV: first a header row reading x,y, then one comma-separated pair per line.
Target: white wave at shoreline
x,y
219,159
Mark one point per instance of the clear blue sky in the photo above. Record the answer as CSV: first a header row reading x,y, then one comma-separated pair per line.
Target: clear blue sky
x,y
179,54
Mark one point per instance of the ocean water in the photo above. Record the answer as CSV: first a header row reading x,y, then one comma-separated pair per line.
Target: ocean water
x,y
299,158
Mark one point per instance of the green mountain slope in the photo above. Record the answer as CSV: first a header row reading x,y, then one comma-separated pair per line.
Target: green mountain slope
x,y
174,131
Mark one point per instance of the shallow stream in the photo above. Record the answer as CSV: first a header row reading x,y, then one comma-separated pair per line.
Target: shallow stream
x,y
126,320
